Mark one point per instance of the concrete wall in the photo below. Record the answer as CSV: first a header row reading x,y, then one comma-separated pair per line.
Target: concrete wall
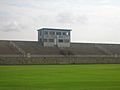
x,y
60,60
64,45
48,44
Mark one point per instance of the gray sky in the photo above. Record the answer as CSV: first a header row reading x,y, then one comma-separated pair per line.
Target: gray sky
x,y
90,20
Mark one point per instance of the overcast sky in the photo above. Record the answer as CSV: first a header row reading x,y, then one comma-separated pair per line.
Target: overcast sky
x,y
90,20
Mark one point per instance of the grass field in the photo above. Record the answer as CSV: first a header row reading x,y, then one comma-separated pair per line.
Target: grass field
x,y
60,77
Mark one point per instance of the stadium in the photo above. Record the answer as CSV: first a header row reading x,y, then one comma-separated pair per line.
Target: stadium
x,y
55,63
59,45
55,47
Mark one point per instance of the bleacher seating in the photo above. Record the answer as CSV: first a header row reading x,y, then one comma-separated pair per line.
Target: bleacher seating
x,y
34,48
7,49
113,48
85,49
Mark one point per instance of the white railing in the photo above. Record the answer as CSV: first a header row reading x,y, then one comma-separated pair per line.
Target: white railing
x,y
74,55
103,49
58,56
18,48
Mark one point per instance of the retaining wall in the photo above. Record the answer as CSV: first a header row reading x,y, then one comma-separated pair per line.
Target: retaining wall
x,y
60,60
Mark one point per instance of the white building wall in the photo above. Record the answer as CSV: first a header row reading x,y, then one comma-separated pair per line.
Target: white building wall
x,y
64,45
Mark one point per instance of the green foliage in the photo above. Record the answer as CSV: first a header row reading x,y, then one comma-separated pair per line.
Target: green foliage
x,y
60,77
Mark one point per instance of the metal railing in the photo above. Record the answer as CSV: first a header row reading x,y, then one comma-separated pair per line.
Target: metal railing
x,y
18,48
58,56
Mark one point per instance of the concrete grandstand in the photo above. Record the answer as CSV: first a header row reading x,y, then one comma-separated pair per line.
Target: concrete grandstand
x,y
56,50
33,48
31,52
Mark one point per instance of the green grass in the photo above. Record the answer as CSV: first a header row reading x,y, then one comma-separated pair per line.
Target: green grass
x,y
60,77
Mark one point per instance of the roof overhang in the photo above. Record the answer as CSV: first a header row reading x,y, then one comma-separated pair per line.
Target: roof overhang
x,y
54,29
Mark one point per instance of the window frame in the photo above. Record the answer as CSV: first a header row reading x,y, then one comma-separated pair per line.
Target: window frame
x,y
66,40
51,33
60,40
45,40
51,40
46,32
58,33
